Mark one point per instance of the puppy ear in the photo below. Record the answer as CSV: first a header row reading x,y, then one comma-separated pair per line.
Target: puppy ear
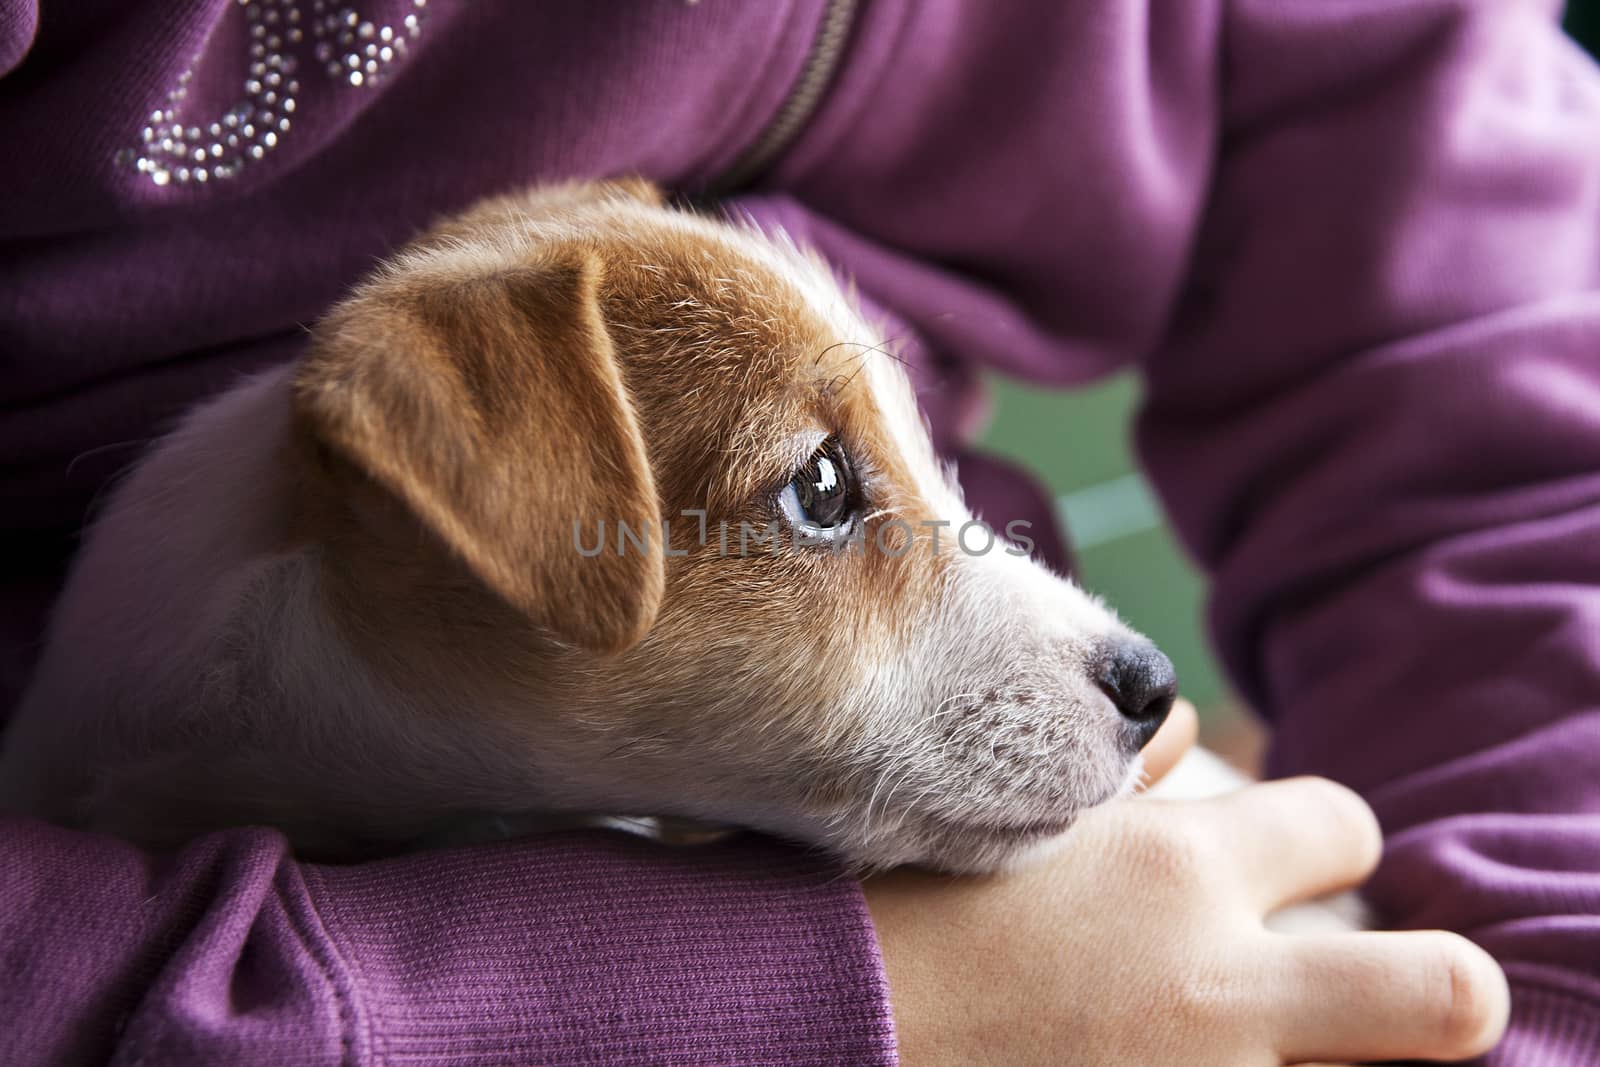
x,y
492,405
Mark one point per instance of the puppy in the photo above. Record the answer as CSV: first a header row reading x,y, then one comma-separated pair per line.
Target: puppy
x,y
581,504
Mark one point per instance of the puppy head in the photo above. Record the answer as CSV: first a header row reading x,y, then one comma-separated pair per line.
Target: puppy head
x,y
644,506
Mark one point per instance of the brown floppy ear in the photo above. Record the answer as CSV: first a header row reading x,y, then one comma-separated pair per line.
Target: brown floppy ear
x,y
491,403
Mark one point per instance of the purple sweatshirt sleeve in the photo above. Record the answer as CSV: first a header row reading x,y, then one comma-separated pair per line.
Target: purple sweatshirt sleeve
x,y
1356,251
576,949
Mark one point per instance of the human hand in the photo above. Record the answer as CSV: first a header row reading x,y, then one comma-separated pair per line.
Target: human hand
x,y
1141,942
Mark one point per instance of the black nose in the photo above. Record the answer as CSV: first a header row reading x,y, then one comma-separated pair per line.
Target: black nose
x,y
1141,682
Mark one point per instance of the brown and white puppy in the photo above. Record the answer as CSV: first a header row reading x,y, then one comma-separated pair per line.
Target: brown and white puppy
x,y
359,597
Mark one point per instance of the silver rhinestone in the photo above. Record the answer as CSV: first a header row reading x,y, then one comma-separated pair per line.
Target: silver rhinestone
x,y
147,134
420,3
355,77
144,165
372,66
283,125
274,42
155,116
253,86
215,129
370,50
295,36
160,177
386,53
269,98
192,133
288,105
167,144
335,69
199,155
225,172
411,24
399,46
270,139
257,70
386,34
366,29
216,151
233,140
231,119
177,131
258,51
183,79
258,31
183,174
201,174
249,130
294,85
352,61
256,151
274,78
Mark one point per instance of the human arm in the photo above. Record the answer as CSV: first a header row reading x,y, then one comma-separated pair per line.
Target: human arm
x,y
571,949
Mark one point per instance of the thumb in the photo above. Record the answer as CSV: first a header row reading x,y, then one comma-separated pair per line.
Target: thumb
x,y
1176,736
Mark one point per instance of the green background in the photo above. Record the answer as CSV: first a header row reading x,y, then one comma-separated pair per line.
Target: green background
x,y
1078,443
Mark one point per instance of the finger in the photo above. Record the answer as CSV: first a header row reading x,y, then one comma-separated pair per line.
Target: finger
x,y
1295,839
1176,736
1390,996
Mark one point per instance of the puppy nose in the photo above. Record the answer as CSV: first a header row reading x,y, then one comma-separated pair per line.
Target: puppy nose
x,y
1141,682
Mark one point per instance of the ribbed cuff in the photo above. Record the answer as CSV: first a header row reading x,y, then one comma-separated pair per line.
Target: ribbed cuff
x,y
602,949
1549,1028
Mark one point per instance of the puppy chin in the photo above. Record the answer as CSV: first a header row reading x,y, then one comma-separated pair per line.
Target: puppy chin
x,y
981,845
939,844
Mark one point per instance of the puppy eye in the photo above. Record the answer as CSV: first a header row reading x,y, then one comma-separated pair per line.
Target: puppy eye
x,y
821,498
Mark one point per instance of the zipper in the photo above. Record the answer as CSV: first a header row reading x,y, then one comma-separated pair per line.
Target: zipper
x,y
815,77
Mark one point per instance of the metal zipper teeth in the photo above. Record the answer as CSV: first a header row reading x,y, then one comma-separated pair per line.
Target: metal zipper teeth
x,y
801,104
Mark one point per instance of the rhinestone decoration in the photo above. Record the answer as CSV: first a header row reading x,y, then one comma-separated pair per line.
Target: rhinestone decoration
x,y
286,37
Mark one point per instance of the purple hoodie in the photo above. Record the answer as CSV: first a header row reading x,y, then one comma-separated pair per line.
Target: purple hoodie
x,y
1353,247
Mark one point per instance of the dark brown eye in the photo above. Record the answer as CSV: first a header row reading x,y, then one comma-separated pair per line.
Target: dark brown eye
x,y
822,496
